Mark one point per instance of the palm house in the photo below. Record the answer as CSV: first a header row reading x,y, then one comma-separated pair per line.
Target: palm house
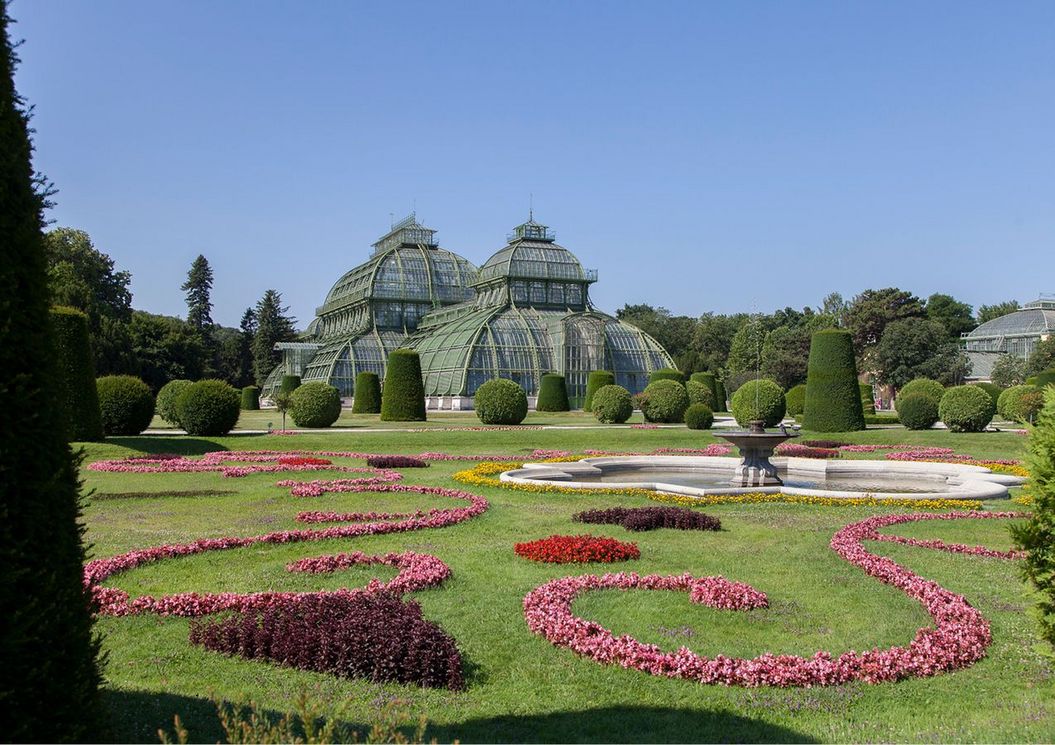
x,y
1015,333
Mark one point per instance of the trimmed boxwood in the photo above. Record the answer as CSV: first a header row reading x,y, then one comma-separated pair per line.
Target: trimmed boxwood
x,y
165,406
367,394
403,395
666,373
666,401
966,408
500,401
315,404
1020,403
868,404
552,394
208,408
723,397
932,388
76,380
700,393
917,410
833,397
126,404
289,383
796,400
709,380
612,404
597,380
993,390
769,404
699,416
250,398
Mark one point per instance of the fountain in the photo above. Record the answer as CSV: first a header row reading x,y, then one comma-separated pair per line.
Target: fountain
x,y
756,446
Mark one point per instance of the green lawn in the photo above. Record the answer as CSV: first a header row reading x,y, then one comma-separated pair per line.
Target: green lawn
x,y
519,686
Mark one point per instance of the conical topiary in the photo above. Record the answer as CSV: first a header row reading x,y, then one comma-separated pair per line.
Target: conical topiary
x,y
709,380
403,395
552,394
598,379
833,397
367,394
76,381
250,398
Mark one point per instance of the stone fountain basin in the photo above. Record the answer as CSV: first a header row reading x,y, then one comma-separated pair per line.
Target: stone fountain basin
x,y
927,480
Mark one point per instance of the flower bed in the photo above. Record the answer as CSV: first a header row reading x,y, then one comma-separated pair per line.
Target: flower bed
x,y
395,461
232,464
650,518
570,549
795,450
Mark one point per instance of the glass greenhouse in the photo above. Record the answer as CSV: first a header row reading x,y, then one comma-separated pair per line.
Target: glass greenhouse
x,y
1015,333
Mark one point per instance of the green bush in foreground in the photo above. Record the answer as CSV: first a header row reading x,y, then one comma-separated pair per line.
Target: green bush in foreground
x,y
796,400
759,399
929,387
665,401
76,379
833,397
966,408
403,395
917,410
208,408
315,404
125,404
699,416
1020,403
700,393
552,394
666,373
367,394
612,404
166,400
250,398
597,380
500,401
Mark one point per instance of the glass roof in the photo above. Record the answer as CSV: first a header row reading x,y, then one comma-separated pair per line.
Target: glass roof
x,y
1021,322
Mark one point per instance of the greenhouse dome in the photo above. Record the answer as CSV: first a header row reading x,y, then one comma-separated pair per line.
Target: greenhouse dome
x,y
1015,333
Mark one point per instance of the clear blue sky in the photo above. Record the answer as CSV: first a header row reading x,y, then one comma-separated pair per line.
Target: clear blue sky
x,y
703,156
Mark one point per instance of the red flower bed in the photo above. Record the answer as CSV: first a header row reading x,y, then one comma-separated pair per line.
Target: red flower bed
x,y
568,549
650,518
303,460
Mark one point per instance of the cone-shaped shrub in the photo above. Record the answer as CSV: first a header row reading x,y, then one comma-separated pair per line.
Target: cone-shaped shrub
x,y
796,400
759,399
165,406
500,401
403,396
699,416
665,401
47,648
289,383
76,380
932,388
709,380
868,404
666,373
833,398
966,408
367,398
125,404
315,404
552,394
598,379
250,398
723,397
208,408
612,404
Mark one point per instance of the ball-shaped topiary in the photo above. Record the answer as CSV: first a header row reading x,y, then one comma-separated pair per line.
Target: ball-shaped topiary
x,y
966,408
932,388
597,380
666,373
289,383
700,393
1020,403
993,390
367,394
166,401
868,404
612,404
500,401
709,380
403,395
666,401
699,416
315,404
917,410
126,404
552,394
833,398
759,399
250,398
208,408
76,380
796,400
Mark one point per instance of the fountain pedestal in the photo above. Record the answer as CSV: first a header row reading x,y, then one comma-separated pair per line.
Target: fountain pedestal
x,y
756,446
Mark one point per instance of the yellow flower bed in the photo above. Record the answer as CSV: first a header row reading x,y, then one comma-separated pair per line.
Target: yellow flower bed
x,y
484,475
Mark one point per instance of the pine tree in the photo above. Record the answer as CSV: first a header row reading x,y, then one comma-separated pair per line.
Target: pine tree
x,y
272,326
198,286
247,329
49,653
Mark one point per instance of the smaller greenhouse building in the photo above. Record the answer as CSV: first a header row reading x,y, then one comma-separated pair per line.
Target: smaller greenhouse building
x,y
1016,333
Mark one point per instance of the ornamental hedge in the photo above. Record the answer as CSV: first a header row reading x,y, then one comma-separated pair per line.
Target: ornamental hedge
x,y
917,410
966,408
833,398
597,380
125,404
612,404
709,380
666,373
796,400
1020,403
76,380
367,394
723,397
403,395
699,416
993,390
208,408
552,394
500,401
289,384
932,388
315,404
665,401
759,399
868,404
250,398
700,393
165,406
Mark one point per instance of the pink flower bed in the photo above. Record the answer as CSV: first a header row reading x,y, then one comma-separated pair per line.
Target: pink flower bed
x,y
221,461
794,450
958,639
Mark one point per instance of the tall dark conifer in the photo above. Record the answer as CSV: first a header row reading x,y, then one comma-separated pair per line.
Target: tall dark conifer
x,y
272,326
198,288
49,654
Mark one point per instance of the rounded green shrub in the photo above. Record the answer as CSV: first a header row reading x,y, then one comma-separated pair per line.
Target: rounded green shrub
x,y
367,394
597,380
868,404
165,405
709,380
966,408
666,401
403,395
917,410
833,397
759,399
992,389
552,394
250,398
1043,378
666,373
500,401
796,400
315,404
76,380
208,408
932,388
700,393
126,404
699,416
612,404
723,397
1020,403
289,383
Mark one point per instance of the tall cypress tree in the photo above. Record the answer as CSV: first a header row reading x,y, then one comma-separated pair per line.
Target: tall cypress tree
x,y
272,326
49,653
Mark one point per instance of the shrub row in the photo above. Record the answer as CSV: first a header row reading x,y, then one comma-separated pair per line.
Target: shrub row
x,y
650,518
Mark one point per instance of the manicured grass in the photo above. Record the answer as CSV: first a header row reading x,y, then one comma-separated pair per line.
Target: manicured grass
x,y
520,687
